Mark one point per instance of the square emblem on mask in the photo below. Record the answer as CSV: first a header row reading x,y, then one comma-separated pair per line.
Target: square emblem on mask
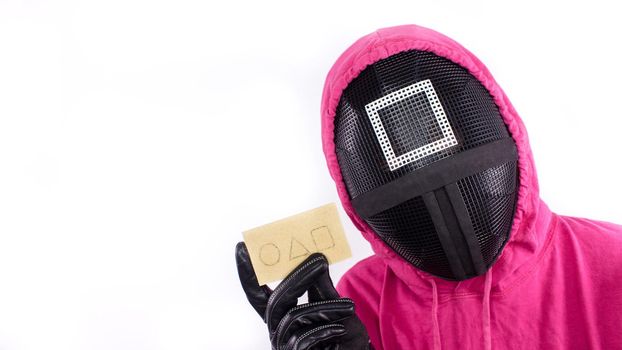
x,y
410,124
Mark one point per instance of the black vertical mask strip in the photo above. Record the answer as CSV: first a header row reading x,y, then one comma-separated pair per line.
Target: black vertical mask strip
x,y
455,263
466,226
455,233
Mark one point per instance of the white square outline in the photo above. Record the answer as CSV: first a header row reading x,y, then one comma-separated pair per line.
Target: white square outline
x,y
396,162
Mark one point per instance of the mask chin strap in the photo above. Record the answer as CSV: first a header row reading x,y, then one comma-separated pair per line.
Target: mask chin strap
x,y
437,185
455,231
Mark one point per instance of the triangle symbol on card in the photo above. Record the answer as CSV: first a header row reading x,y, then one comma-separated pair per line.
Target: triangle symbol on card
x,y
297,249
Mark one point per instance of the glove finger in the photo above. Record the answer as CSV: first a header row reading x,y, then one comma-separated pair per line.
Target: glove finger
x,y
304,316
323,289
257,295
316,336
286,294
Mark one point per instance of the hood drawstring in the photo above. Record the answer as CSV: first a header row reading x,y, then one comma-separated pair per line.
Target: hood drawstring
x,y
486,311
437,330
486,334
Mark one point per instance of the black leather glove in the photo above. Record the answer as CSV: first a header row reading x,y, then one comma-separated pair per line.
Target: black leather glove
x,y
327,322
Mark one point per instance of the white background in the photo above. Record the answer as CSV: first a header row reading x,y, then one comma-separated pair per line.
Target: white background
x,y
139,138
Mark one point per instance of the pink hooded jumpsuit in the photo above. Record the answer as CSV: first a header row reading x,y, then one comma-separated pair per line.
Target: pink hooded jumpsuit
x,y
556,285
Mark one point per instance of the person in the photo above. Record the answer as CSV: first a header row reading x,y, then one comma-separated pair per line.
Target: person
x,y
433,166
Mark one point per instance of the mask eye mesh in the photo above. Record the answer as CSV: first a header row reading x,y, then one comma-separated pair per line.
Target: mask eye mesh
x,y
405,135
490,198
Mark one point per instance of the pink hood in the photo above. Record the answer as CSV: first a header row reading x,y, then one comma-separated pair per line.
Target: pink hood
x,y
556,284
524,243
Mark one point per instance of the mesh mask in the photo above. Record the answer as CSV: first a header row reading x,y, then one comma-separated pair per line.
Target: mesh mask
x,y
428,162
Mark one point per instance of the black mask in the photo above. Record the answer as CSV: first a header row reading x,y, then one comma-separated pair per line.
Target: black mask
x,y
428,162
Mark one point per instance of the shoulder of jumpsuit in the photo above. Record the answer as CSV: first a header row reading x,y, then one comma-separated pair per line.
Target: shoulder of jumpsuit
x,y
591,253
604,229
597,243
364,280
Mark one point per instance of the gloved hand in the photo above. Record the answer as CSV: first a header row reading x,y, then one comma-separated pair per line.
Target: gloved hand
x,y
327,322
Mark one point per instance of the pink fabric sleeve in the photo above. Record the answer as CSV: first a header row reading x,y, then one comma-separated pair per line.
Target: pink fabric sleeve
x,y
363,284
